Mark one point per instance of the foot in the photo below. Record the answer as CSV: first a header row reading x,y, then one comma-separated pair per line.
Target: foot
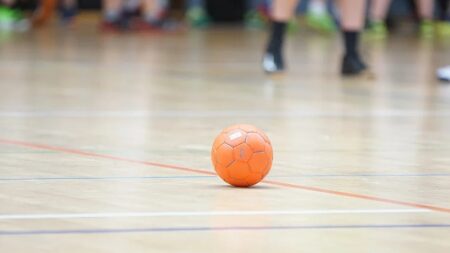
x,y
273,63
426,29
198,18
322,22
254,20
378,29
443,74
12,19
352,65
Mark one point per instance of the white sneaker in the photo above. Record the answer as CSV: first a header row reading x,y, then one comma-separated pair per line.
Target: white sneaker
x,y
272,63
444,73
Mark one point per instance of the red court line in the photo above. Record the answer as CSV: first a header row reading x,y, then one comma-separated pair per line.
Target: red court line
x,y
200,171
95,155
359,196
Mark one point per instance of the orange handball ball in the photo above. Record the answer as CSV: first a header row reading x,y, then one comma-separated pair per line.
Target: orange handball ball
x,y
242,155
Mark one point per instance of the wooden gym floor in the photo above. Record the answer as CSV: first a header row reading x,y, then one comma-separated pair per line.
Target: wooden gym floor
x,y
105,143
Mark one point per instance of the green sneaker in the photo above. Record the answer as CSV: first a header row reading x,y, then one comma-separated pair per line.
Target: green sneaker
x,y
10,18
198,18
427,29
378,29
443,28
322,22
254,20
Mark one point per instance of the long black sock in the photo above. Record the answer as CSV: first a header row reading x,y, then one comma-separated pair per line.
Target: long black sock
x,y
277,37
351,42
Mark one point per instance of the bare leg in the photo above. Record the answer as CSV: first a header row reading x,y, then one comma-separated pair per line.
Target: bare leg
x,y
378,10
352,14
425,9
283,10
150,6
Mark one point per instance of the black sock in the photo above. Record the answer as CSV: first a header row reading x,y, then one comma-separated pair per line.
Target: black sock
x,y
351,42
277,37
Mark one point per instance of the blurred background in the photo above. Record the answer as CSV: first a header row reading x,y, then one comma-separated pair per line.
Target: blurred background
x,y
317,15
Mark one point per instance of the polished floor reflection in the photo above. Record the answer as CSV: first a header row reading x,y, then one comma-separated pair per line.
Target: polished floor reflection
x,y
105,141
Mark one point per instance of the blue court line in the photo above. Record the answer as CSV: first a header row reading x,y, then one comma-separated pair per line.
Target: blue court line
x,y
203,229
188,177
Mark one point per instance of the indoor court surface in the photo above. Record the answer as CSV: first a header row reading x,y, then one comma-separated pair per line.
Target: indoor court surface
x,y
105,144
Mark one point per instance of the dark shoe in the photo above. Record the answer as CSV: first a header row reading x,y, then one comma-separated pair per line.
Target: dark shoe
x,y
352,65
273,63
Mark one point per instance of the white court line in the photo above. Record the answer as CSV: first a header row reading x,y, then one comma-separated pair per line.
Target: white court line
x,y
206,213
